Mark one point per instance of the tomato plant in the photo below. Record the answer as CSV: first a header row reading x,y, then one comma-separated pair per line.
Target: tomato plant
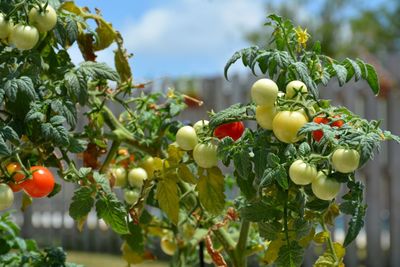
x,y
174,188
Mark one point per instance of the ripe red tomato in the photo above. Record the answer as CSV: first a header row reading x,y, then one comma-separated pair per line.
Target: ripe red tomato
x,y
338,123
232,129
318,134
41,184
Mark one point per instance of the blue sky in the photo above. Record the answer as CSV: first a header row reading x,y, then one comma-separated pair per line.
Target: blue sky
x,y
182,37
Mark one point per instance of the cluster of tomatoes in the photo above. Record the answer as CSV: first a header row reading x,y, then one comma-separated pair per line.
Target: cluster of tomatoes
x,y
42,18
205,152
286,124
131,180
39,185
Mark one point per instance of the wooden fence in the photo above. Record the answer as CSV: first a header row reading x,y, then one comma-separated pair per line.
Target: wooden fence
x,y
378,243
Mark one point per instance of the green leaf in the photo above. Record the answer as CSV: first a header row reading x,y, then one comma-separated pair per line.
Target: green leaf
x,y
248,55
77,145
98,71
66,109
269,230
372,79
76,86
211,190
82,203
231,114
105,36
258,211
352,68
122,64
304,149
4,150
23,85
281,177
103,182
290,255
186,175
168,199
341,73
135,239
113,212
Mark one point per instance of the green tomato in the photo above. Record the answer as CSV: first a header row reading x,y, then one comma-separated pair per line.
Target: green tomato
x,y
325,188
205,155
200,125
44,21
24,37
131,196
286,125
6,197
294,86
5,27
168,246
137,176
345,160
265,116
264,92
120,176
302,173
186,138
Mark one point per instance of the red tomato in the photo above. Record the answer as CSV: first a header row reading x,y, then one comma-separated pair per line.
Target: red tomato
x,y
41,184
12,169
318,134
232,129
338,123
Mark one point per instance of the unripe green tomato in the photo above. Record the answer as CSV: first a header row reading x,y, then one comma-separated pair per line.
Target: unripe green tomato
x,y
200,125
131,196
120,177
294,86
205,155
24,37
345,160
264,92
6,197
136,177
43,21
286,125
302,173
168,246
265,116
186,138
148,165
5,27
325,188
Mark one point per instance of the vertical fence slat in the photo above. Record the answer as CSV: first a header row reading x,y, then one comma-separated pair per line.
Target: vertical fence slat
x,y
393,160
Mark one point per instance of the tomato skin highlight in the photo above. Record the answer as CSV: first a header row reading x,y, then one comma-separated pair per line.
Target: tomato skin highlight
x,y
233,129
12,169
325,188
6,197
345,160
41,183
302,173
286,125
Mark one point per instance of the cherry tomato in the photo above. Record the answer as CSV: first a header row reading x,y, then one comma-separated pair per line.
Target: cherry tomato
x,y
318,134
44,21
120,176
345,160
338,123
264,92
168,246
232,129
186,138
41,183
205,155
265,116
12,170
131,196
5,27
136,177
6,197
24,37
325,188
200,125
286,125
293,87
302,173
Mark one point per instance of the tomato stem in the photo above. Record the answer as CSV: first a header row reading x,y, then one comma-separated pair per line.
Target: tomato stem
x,y
241,245
329,242
111,153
